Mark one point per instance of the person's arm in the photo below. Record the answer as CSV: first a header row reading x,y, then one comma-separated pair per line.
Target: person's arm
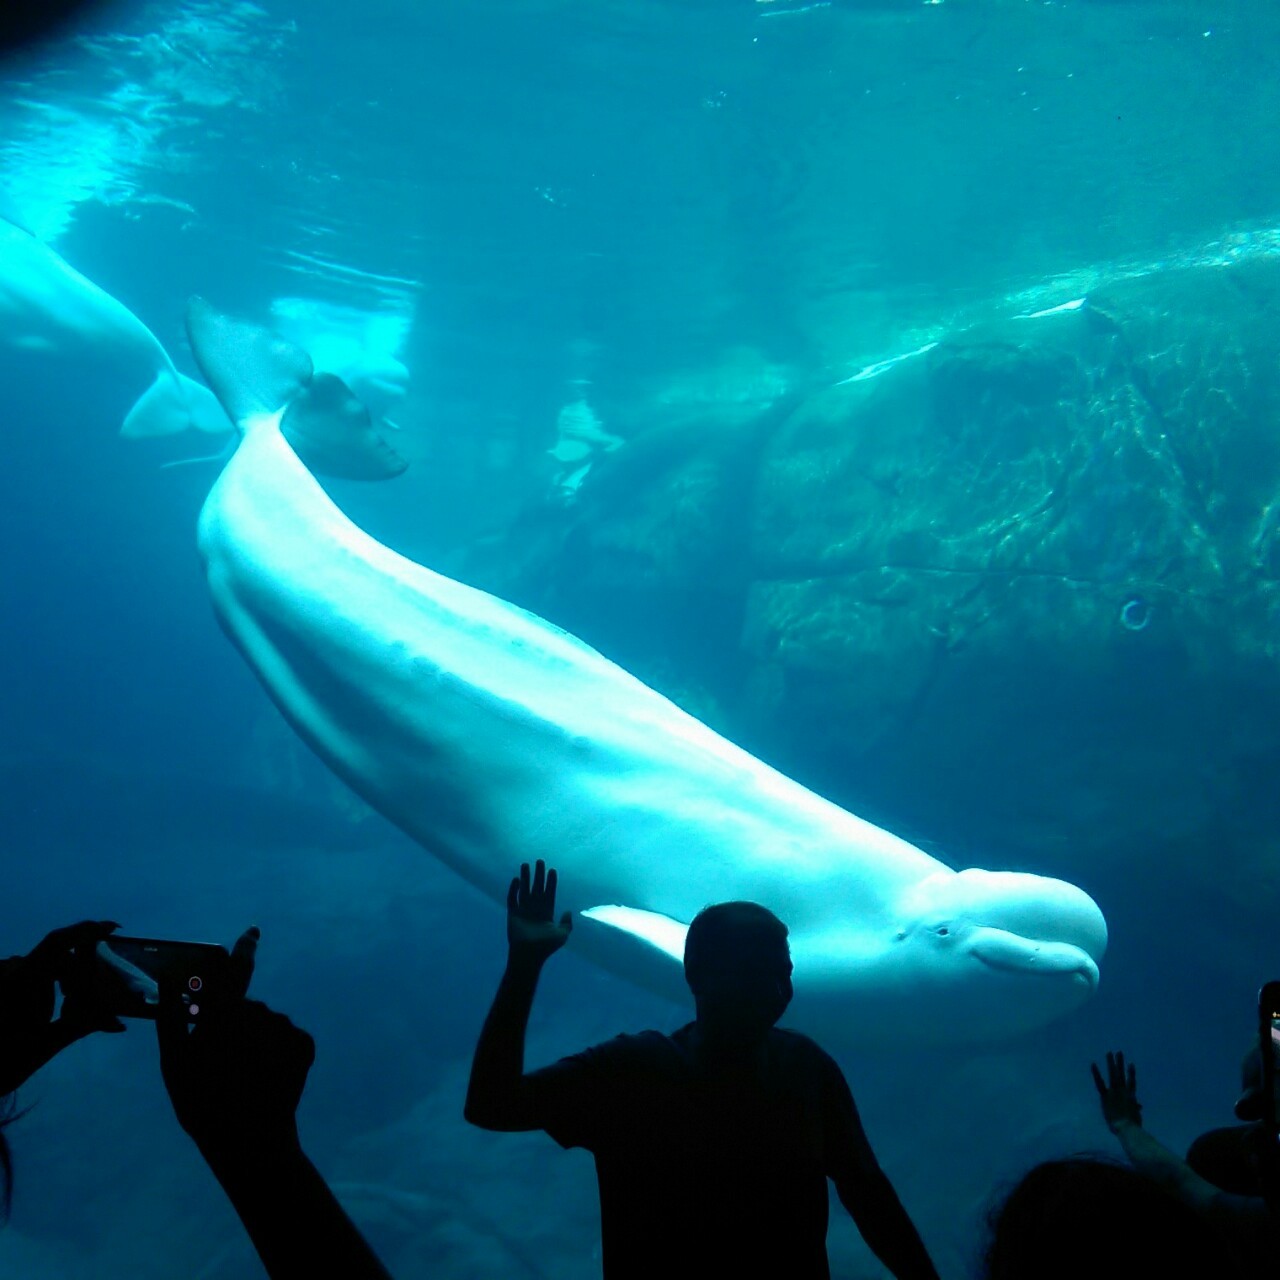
x,y
866,1192
294,1221
497,1095
1123,1115
235,1081
30,1036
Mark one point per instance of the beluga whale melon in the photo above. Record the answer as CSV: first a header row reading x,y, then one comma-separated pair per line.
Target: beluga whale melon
x,y
492,737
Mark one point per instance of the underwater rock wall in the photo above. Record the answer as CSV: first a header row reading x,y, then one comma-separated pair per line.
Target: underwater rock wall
x,y
1019,591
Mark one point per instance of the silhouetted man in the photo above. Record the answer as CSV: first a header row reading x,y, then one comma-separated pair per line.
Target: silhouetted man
x,y
713,1145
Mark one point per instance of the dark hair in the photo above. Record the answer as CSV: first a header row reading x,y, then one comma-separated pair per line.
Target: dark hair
x,y
1090,1216
7,1116
729,930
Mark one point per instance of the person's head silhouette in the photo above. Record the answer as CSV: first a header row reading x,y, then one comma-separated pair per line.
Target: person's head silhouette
x,y
738,966
1086,1216
1251,1104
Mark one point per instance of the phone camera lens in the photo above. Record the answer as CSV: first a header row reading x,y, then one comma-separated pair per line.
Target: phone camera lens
x,y
194,983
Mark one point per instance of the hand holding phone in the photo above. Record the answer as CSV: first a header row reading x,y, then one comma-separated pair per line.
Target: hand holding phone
x,y
235,1078
235,1082
30,1035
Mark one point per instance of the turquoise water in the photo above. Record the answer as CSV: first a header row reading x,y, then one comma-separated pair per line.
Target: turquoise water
x,y
671,216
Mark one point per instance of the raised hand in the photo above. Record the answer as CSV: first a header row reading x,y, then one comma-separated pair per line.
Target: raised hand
x,y
533,933
1119,1092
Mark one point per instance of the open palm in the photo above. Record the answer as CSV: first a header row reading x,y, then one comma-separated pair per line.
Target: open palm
x,y
1118,1092
532,927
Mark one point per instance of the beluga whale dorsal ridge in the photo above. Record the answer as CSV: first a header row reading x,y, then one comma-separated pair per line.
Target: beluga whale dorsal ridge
x,y
493,737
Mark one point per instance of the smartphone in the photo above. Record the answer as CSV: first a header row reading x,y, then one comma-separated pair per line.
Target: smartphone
x,y
1268,1044
129,972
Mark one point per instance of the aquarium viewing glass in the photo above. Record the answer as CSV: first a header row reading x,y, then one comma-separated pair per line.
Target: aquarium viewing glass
x,y
840,443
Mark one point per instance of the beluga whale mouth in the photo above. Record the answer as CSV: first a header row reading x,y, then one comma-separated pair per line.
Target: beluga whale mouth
x,y
1000,949
492,738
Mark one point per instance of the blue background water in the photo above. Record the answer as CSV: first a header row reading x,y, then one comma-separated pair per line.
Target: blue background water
x,y
536,193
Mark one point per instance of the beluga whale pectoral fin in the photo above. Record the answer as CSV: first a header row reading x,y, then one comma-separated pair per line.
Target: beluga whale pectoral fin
x,y
660,932
637,943
257,374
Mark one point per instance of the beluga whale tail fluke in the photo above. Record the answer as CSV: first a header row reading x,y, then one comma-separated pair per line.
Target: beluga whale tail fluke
x,y
172,404
256,374
492,737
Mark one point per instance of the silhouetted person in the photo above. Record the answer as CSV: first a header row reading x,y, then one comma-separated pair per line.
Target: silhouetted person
x,y
713,1145
30,1035
1243,1221
1090,1219
235,1081
1241,1158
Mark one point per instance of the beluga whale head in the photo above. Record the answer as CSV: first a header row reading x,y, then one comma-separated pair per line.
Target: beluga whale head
x,y
968,955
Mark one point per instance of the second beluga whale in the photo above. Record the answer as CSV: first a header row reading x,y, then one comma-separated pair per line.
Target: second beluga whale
x,y
63,338
492,737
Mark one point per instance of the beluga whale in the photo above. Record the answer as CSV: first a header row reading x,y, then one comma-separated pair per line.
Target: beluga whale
x,y
492,737
67,348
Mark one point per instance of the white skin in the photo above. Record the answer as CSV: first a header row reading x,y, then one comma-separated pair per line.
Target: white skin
x,y
492,737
